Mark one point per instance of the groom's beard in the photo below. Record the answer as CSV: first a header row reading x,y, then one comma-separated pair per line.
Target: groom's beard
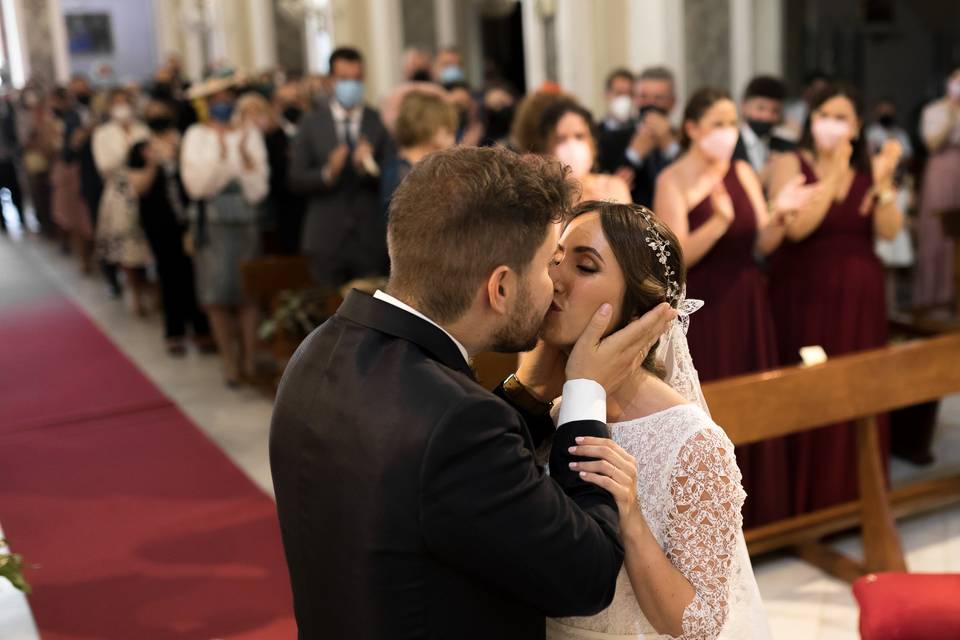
x,y
523,329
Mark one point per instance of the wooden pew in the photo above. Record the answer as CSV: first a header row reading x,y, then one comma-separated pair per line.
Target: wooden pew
x,y
853,388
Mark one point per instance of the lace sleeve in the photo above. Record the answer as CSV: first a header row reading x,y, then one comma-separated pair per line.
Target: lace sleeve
x,y
702,529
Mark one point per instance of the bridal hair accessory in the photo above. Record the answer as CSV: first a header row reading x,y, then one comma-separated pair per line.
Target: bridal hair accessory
x,y
660,247
673,351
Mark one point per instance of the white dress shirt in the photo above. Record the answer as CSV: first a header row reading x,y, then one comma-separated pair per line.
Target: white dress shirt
x,y
350,118
582,399
758,150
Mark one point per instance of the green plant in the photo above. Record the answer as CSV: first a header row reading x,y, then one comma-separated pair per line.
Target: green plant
x,y
11,568
297,313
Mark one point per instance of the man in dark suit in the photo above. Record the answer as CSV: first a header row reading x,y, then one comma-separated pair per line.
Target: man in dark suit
x,y
337,157
640,150
410,501
762,110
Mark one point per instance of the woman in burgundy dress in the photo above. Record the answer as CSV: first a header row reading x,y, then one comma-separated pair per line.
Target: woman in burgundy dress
x,y
716,208
826,282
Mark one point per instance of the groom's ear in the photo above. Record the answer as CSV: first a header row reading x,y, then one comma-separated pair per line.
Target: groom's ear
x,y
500,287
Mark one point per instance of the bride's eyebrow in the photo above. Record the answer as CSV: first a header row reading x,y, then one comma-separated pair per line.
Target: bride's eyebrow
x,y
589,250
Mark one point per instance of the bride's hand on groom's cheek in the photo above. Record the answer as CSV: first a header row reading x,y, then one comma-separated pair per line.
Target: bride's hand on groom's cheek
x,y
611,360
614,469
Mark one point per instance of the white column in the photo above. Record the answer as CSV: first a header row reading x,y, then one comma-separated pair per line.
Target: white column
x,y
58,41
741,45
658,39
768,36
383,59
534,45
575,49
445,22
15,35
168,24
193,17
263,34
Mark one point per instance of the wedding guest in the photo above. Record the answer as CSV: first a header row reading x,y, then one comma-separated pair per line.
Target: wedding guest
x,y
796,111
897,254
940,128
415,64
224,169
448,66
290,103
469,124
525,136
336,163
69,209
9,158
254,110
568,131
41,140
826,282
499,105
120,240
653,144
426,123
618,125
154,175
716,208
762,110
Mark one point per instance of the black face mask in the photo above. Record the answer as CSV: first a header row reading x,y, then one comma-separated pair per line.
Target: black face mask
x,y
887,120
498,123
159,125
421,75
84,99
292,114
647,108
162,91
760,127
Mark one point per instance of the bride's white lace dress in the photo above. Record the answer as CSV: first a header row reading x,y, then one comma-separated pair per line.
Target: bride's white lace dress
x,y
688,487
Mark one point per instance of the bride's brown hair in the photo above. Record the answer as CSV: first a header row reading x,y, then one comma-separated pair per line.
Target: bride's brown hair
x,y
628,229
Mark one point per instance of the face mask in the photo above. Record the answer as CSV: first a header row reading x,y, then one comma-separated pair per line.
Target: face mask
x,y
292,114
162,91
349,93
647,108
84,99
760,127
719,144
420,75
577,155
887,120
620,108
451,74
499,122
160,124
221,111
121,113
953,89
829,132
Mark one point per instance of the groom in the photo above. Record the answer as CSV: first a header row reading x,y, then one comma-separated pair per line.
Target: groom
x,y
410,502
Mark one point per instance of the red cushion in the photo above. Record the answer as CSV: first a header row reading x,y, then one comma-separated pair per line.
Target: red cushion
x,y
908,606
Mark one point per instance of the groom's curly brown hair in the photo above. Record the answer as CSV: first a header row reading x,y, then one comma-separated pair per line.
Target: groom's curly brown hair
x,y
463,212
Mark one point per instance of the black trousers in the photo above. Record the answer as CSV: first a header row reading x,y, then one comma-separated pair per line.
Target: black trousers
x,y
10,180
175,272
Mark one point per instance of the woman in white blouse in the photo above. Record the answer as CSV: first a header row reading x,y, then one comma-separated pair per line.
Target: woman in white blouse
x,y
940,126
223,163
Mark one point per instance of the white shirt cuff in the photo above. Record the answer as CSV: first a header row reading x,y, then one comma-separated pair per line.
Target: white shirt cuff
x,y
583,400
633,156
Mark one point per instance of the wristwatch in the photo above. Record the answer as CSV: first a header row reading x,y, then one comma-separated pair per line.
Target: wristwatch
x,y
523,399
886,196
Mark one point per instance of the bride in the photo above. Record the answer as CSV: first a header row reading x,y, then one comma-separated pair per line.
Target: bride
x,y
672,470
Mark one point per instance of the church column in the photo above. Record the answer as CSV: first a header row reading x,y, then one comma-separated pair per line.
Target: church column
x,y
58,41
657,39
262,30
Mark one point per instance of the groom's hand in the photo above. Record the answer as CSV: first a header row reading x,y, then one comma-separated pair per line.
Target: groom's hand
x,y
609,361
541,371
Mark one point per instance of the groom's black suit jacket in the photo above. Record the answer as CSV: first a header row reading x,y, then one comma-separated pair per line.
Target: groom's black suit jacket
x,y
409,500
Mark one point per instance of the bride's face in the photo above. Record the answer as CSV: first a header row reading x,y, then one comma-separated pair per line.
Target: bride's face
x,y
585,275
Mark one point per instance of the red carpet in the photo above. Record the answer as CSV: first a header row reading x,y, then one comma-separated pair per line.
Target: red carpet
x,y
142,527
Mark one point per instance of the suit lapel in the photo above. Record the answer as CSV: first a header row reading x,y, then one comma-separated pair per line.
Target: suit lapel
x,y
386,318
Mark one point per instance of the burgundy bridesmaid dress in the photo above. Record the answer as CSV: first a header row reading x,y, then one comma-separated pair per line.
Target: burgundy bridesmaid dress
x,y
828,290
733,334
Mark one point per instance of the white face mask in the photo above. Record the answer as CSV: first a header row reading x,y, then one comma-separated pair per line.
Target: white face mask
x,y
577,155
829,132
718,145
621,108
121,113
953,89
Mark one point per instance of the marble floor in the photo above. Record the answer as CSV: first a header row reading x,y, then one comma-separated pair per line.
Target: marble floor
x,y
802,602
